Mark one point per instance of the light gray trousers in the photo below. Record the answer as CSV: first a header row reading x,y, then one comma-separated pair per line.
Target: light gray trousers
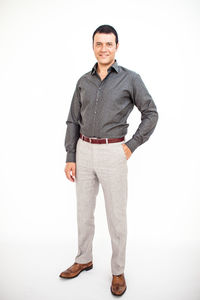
x,y
105,164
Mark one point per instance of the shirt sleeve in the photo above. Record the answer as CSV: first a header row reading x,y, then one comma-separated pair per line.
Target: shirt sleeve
x,y
149,115
73,126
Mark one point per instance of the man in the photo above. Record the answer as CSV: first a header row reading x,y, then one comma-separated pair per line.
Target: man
x,y
97,151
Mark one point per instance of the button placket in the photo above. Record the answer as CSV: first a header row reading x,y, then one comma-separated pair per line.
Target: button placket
x,y
95,109
102,82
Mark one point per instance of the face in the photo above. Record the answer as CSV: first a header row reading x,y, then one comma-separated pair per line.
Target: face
x,y
105,47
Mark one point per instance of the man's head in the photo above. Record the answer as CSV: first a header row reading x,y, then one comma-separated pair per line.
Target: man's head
x,y
105,44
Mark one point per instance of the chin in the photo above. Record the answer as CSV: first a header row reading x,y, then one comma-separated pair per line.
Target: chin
x,y
104,61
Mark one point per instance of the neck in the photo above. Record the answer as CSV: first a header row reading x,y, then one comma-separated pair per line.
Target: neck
x,y
101,68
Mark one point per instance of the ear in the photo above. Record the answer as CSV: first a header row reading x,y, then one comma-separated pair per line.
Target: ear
x,y
117,46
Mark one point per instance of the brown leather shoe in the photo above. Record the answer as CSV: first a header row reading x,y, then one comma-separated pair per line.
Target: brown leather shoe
x,y
76,269
118,286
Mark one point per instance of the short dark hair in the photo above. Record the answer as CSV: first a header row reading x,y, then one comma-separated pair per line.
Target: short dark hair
x,y
106,29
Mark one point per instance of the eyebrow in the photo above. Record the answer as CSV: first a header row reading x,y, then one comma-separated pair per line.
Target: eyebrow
x,y
106,42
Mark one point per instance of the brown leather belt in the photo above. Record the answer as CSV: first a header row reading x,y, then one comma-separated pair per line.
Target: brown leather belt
x,y
100,141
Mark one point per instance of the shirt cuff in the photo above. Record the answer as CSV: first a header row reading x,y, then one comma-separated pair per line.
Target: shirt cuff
x,y
132,144
71,157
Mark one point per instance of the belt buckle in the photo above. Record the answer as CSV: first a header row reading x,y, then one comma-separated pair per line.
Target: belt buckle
x,y
106,140
90,140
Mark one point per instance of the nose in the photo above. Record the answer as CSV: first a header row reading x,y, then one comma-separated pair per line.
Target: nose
x,y
104,48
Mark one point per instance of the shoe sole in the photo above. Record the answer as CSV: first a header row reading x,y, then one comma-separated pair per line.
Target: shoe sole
x,y
117,294
86,269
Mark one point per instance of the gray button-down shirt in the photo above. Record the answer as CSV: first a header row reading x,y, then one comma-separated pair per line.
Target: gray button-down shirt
x,y
100,108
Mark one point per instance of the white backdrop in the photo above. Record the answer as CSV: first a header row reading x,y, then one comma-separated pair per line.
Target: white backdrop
x,y
45,46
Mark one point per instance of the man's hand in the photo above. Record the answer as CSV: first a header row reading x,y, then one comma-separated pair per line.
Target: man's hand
x,y
127,151
70,171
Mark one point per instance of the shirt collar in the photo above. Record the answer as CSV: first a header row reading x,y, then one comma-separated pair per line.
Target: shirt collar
x,y
113,66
